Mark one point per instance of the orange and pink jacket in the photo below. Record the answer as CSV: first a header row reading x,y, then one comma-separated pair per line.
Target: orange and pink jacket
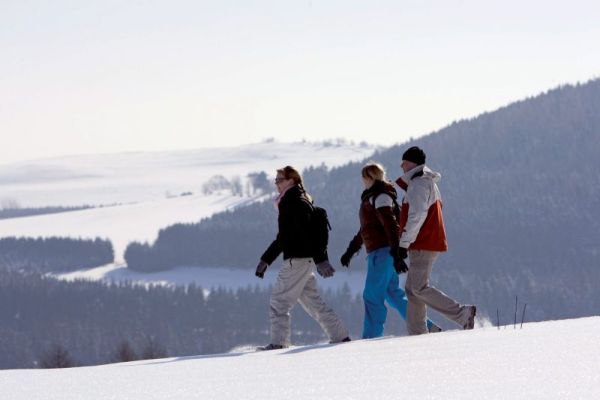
x,y
421,219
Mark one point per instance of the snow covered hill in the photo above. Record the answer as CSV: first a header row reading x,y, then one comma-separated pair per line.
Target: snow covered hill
x,y
145,189
547,360
209,278
148,176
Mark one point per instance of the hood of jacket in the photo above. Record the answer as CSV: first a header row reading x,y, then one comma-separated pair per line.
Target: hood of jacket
x,y
416,172
377,188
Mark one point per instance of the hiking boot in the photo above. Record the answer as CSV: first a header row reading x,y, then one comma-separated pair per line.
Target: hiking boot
x,y
470,324
271,346
434,328
346,339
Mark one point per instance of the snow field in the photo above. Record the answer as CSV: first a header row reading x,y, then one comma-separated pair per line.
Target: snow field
x,y
547,360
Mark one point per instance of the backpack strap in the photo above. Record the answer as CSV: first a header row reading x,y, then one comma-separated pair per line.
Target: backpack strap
x,y
307,201
376,195
395,205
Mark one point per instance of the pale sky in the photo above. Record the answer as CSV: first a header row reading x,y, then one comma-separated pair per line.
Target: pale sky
x,y
97,76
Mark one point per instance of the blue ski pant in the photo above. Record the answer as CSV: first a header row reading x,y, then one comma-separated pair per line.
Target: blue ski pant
x,y
382,284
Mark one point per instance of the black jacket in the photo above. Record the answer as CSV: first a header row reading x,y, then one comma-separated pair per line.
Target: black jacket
x,y
294,238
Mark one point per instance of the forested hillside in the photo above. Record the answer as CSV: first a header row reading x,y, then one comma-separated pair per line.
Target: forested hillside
x,y
54,254
89,322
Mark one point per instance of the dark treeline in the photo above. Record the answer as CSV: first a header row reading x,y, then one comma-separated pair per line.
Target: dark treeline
x,y
521,194
44,322
54,254
29,211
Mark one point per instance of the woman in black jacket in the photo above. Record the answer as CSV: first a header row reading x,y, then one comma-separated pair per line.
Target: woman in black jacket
x,y
296,282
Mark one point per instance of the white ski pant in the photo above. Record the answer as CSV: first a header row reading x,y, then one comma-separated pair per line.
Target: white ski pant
x,y
296,283
420,295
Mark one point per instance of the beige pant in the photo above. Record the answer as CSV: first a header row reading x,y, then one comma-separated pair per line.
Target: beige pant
x,y
420,295
296,283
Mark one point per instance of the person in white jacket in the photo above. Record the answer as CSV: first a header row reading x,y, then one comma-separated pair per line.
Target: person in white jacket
x,y
422,239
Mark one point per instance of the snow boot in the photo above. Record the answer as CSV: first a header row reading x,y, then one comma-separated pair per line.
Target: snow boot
x,y
346,339
271,346
470,324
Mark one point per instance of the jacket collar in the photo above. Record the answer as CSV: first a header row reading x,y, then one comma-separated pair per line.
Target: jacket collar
x,y
379,187
419,170
291,190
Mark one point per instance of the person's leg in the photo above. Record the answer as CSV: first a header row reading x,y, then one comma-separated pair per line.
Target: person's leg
x,y
396,297
286,292
313,304
416,310
421,262
374,295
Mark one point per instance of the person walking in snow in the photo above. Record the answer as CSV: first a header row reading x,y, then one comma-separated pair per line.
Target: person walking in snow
x,y
422,238
296,282
379,232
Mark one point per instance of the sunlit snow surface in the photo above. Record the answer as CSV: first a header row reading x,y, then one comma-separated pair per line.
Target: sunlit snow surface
x,y
549,360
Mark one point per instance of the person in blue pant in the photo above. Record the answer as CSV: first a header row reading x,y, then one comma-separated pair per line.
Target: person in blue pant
x,y
379,231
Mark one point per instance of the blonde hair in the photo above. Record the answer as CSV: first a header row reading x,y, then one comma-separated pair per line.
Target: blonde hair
x,y
373,170
292,173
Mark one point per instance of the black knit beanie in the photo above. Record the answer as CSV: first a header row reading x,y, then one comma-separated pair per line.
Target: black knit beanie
x,y
414,154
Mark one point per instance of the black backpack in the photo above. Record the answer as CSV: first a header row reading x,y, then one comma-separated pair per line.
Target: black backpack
x,y
320,226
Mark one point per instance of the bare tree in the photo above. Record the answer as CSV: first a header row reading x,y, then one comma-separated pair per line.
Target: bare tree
x,y
259,182
153,350
124,353
236,186
57,357
9,203
216,184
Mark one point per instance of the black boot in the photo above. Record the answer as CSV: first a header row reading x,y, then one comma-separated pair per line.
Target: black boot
x,y
271,347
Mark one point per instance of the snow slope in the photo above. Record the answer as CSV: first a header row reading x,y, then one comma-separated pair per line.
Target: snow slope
x,y
121,224
146,187
548,360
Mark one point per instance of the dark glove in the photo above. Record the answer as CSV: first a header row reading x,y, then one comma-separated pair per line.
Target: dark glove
x,y
402,252
325,269
261,268
353,247
400,266
345,259
399,254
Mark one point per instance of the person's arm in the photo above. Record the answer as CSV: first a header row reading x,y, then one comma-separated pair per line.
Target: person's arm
x,y
384,210
356,243
385,214
273,251
353,248
276,247
417,196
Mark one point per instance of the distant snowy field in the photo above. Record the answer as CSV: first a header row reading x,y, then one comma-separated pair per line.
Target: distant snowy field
x,y
103,179
212,278
147,187
547,360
